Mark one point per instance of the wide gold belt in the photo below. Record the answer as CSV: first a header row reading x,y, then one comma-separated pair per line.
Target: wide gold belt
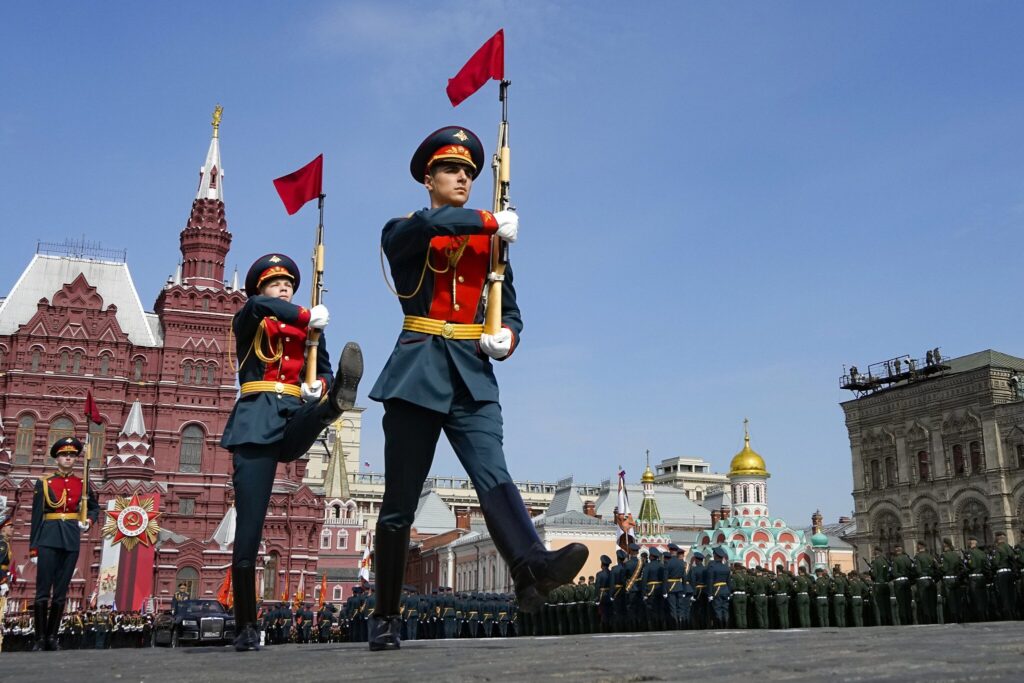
x,y
415,323
65,516
276,387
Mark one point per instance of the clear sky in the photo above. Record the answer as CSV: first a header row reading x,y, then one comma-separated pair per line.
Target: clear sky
x,y
721,203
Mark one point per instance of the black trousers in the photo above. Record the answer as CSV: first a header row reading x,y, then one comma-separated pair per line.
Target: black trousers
x,y
55,568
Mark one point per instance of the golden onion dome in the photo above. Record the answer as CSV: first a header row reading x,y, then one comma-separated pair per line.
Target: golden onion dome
x,y
648,477
747,462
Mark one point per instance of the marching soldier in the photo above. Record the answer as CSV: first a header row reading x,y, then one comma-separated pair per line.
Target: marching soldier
x,y
1002,565
440,376
675,577
618,599
56,537
278,415
926,568
902,568
977,577
802,588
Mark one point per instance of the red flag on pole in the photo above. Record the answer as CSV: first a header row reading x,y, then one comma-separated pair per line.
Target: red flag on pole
x,y
299,187
92,411
226,593
488,62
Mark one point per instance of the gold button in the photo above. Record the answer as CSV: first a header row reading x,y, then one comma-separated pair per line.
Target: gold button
x,y
462,279
287,338
286,357
447,330
457,307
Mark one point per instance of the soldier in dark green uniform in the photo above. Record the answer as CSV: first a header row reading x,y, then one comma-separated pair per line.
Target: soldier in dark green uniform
x,y
802,590
740,583
978,569
822,588
781,586
927,570
902,570
952,566
757,584
856,590
1002,565
840,590
881,575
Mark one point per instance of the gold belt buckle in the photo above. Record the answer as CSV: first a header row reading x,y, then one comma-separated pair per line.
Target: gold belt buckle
x,y
447,330
279,387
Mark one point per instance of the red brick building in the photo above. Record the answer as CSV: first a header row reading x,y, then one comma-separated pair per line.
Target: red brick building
x,y
165,384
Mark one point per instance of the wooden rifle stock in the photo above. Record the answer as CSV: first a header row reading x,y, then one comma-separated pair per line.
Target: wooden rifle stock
x,y
315,296
501,165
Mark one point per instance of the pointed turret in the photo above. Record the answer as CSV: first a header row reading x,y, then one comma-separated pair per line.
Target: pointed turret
x,y
205,241
336,478
132,460
649,522
225,532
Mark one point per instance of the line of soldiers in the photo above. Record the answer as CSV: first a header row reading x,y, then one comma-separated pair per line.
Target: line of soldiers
x,y
285,624
92,630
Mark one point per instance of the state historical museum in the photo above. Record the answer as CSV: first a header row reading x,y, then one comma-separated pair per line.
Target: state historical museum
x,y
164,382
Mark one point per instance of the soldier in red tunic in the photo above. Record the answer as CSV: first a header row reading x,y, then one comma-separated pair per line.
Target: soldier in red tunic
x,y
56,537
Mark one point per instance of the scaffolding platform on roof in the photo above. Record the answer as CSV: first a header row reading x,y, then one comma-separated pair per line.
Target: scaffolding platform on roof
x,y
886,373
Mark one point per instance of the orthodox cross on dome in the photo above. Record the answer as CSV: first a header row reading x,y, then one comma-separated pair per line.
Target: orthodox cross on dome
x,y
746,430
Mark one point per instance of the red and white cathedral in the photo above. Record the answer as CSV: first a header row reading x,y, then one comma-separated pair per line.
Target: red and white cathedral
x,y
164,382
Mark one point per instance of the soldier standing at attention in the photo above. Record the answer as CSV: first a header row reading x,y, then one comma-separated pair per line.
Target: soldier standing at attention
x,y
840,588
881,575
278,415
180,596
604,583
782,586
856,589
56,537
740,582
698,577
902,568
758,585
977,575
440,377
927,568
720,586
654,579
675,575
822,587
1002,565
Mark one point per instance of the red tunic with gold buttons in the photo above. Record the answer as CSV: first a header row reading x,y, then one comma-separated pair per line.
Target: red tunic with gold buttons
x,y
59,494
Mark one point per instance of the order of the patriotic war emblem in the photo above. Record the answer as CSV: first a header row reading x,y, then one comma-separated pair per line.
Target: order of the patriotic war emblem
x,y
131,522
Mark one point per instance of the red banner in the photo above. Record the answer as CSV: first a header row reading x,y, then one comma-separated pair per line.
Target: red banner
x,y
488,62
135,572
299,187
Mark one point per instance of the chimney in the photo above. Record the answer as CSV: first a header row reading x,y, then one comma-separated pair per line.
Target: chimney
x,y
724,512
716,517
462,519
589,509
845,520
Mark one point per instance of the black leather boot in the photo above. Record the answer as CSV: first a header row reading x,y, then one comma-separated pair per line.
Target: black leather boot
x,y
390,549
53,626
40,609
342,395
243,584
535,570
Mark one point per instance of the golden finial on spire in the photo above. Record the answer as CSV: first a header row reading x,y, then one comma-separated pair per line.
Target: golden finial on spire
x,y
746,431
218,111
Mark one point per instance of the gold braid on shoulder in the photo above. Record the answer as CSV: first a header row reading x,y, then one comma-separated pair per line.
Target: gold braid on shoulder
x,y
46,494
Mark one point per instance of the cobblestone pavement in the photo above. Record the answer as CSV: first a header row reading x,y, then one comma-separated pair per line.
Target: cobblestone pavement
x,y
976,652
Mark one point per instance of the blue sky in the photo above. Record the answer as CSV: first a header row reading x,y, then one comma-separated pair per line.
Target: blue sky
x,y
721,203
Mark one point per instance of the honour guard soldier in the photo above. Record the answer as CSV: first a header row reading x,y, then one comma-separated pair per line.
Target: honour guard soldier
x,y
654,579
926,568
619,578
278,416
675,576
56,537
440,376
604,582
718,580
698,577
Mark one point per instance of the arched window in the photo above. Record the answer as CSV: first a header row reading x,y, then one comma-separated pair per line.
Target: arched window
x,y
336,511
64,358
757,494
342,540
104,364
924,466
337,593
876,474
37,355
76,363
325,539
59,428
974,523
24,439
189,577
1020,455
211,374
137,370
889,531
190,458
959,464
891,476
186,372
977,458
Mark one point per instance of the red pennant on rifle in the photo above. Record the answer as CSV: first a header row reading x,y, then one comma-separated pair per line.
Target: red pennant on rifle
x,y
301,186
92,411
487,63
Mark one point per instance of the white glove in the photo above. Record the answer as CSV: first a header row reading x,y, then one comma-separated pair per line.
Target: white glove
x,y
311,392
35,560
508,225
318,317
497,346
84,526
4,588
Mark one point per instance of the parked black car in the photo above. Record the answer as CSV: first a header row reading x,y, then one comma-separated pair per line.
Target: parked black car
x,y
195,621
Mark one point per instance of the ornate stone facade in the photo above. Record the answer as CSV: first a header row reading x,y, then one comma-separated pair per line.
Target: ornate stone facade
x,y
938,457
